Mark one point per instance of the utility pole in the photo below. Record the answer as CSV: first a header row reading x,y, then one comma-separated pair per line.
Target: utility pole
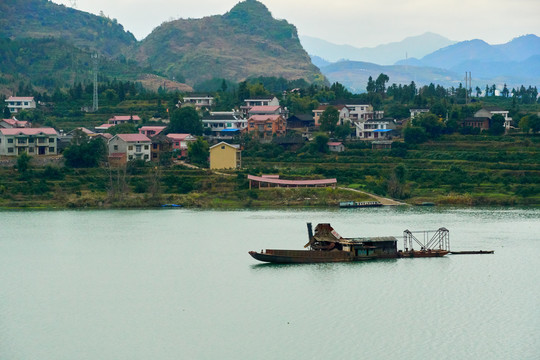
x,y
95,104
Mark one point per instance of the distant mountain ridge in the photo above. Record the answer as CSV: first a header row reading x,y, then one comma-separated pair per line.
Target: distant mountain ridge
x,y
385,54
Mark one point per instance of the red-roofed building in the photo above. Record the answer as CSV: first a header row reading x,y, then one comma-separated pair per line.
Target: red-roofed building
x,y
263,182
265,126
180,142
13,123
121,119
17,103
151,130
135,146
336,146
265,110
33,141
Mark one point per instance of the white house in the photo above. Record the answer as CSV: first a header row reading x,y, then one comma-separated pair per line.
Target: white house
x,y
258,101
415,112
199,101
135,146
493,110
344,114
17,103
33,141
224,123
361,112
373,129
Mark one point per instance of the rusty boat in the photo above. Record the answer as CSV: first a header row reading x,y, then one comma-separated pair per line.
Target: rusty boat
x,y
326,245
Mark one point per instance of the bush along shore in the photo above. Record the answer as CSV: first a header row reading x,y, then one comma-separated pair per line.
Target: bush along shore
x,y
454,170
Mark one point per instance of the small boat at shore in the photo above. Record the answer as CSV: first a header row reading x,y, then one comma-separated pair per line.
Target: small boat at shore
x,y
358,204
326,245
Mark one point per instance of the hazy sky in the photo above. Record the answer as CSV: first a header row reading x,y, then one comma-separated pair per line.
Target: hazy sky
x,y
355,22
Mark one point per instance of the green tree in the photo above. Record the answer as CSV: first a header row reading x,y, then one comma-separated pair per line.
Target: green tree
x,y
370,85
380,84
432,125
534,123
185,120
342,131
85,152
321,143
125,128
198,152
524,124
23,162
329,119
414,135
496,126
7,113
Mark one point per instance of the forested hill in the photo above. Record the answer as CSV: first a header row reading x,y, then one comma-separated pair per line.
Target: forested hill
x,y
247,41
43,18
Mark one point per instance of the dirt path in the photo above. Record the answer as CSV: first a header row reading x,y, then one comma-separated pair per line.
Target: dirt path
x,y
382,200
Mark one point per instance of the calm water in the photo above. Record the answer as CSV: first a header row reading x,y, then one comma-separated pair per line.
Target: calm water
x,y
179,284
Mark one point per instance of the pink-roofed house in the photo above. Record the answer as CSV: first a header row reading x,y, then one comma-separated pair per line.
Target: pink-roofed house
x,y
135,146
122,119
33,141
13,123
180,142
336,146
151,130
265,110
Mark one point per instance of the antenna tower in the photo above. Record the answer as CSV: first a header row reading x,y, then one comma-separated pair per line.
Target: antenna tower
x,y
95,104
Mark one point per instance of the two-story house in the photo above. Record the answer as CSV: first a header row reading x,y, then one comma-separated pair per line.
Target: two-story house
x,y
122,119
151,130
33,141
13,123
180,143
374,129
135,146
258,101
224,123
344,114
266,126
225,156
199,102
489,111
18,103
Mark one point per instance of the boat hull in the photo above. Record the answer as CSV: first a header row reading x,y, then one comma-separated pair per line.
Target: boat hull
x,y
305,256
422,253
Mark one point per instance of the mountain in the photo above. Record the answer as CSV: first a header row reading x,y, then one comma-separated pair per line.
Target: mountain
x,y
521,48
386,54
49,63
245,42
43,19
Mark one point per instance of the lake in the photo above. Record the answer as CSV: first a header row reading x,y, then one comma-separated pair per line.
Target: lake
x,y
179,284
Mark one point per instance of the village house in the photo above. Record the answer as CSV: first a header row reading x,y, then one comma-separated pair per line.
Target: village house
x,y
199,102
17,103
13,123
336,147
162,146
258,101
135,146
489,111
266,126
180,143
103,127
122,119
224,124
363,111
374,129
344,114
33,141
481,122
151,130
225,156
417,111
300,121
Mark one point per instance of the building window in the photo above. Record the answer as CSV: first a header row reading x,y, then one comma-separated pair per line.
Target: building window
x,y
130,147
31,150
222,147
145,156
51,140
130,157
51,149
10,150
30,140
146,147
115,147
10,141
138,148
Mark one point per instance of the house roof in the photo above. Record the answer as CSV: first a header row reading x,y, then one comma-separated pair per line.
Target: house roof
x,y
133,137
265,108
16,123
334,144
179,137
302,117
104,126
29,131
338,107
152,128
258,98
292,182
20,98
125,118
264,117
224,143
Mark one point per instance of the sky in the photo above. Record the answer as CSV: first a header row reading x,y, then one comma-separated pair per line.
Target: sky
x,y
361,23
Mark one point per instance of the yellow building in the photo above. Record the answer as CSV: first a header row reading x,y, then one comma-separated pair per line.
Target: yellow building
x,y
225,156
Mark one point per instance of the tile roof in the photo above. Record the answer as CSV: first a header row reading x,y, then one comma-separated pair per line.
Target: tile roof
x,y
264,117
125,118
178,137
133,137
29,131
20,98
264,108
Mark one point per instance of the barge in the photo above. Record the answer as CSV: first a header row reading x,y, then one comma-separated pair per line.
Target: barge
x,y
358,204
326,245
